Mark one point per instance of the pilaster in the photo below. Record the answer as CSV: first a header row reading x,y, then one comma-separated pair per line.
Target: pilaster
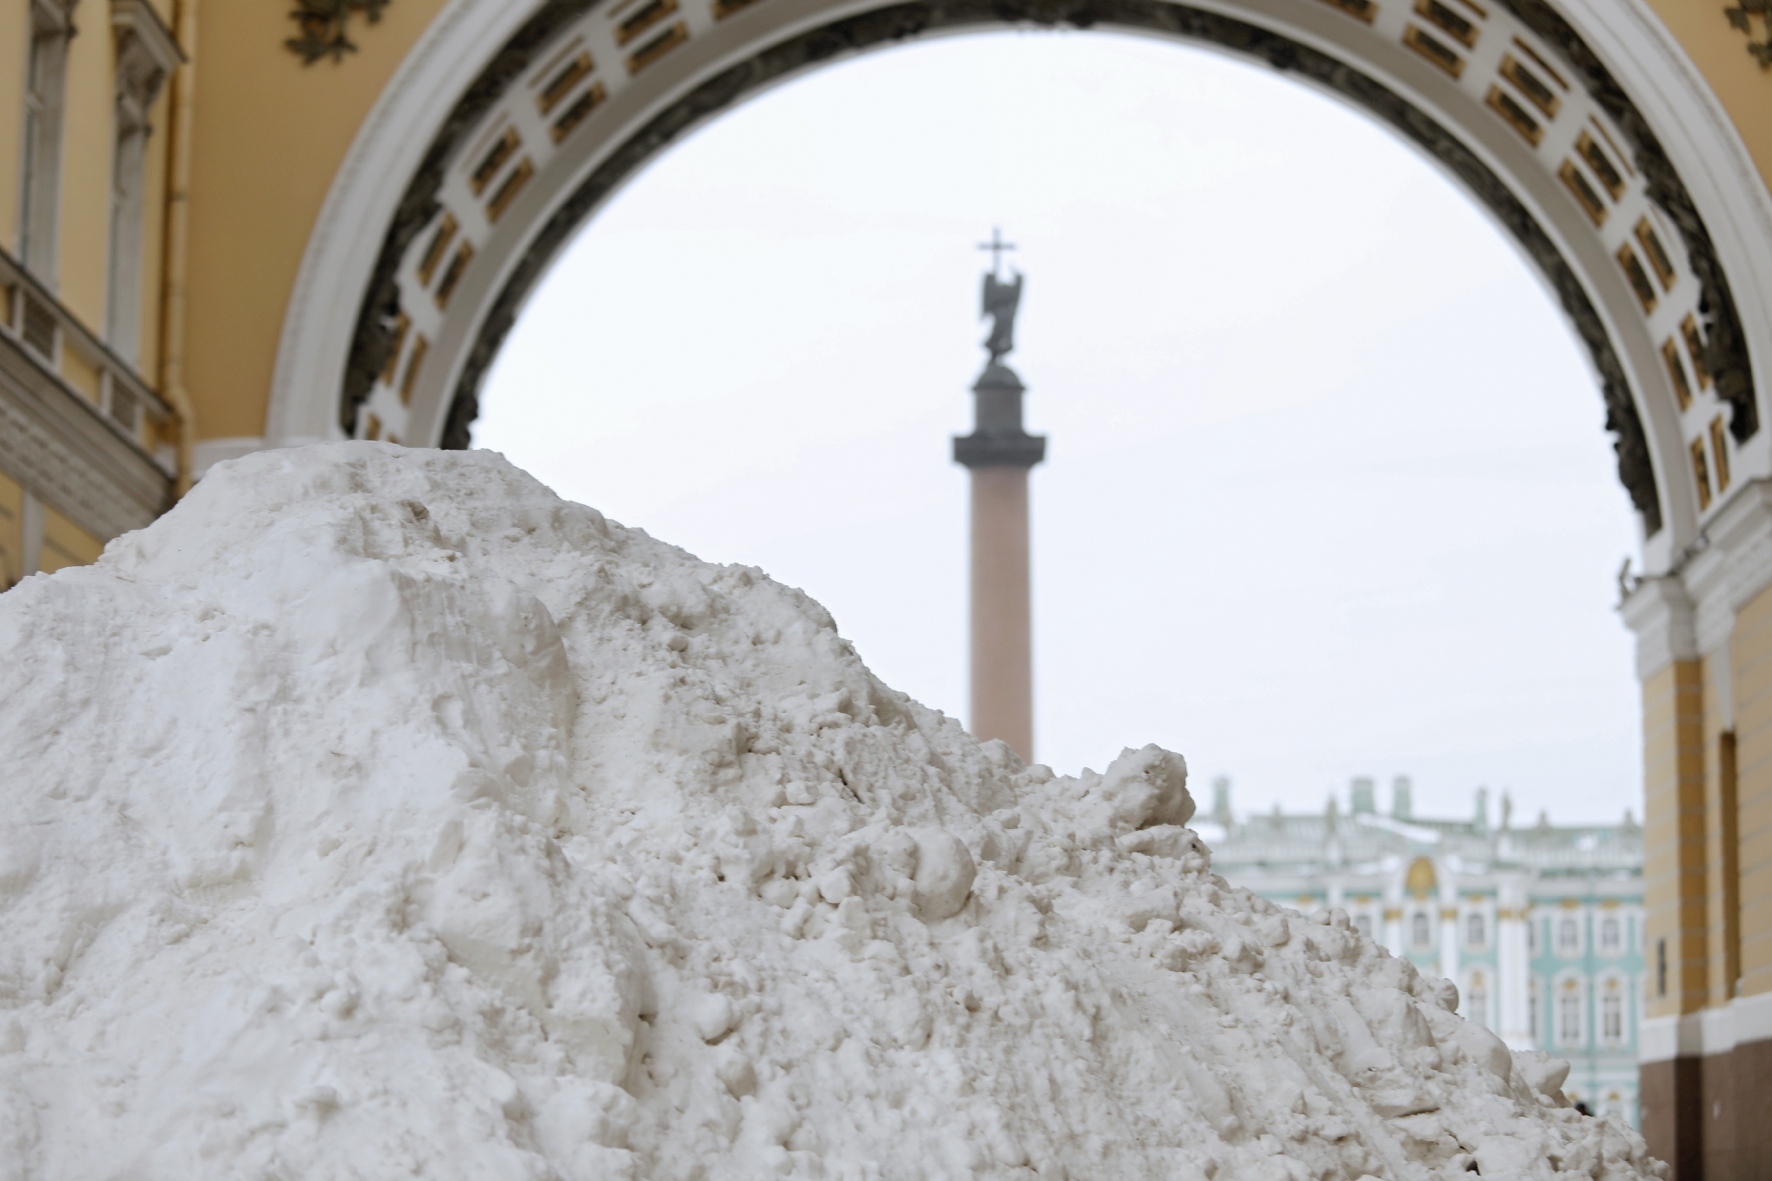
x,y
1512,963
1740,795
1662,615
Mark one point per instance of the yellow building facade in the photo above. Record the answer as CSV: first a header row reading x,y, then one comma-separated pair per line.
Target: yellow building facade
x,y
228,225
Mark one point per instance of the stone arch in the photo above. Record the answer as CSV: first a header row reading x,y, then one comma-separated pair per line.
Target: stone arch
x,y
510,124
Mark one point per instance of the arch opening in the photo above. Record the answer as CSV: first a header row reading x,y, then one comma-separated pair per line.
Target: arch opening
x,y
1601,245
1289,340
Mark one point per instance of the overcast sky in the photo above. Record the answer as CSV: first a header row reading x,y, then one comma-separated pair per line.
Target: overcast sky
x,y
1327,489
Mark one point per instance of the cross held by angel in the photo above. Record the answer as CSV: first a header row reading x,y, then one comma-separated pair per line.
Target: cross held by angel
x,y
1001,299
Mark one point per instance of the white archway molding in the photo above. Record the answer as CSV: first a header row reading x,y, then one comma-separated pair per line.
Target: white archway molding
x,y
443,339
1700,141
341,251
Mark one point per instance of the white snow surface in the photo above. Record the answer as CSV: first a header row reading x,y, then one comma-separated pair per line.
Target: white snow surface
x,y
376,814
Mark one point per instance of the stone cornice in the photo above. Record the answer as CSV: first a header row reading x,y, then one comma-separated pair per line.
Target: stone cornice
x,y
64,449
1662,614
1734,565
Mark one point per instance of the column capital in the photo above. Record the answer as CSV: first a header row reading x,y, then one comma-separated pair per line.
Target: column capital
x,y
1661,613
1743,531
1730,564
980,449
997,438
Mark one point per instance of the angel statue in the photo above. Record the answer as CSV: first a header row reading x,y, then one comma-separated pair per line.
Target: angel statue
x,y
1000,301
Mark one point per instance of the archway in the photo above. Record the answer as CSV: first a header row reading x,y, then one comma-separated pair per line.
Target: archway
x,y
1288,489
1583,124
403,299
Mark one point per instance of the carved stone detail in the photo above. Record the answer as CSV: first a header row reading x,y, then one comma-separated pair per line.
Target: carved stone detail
x,y
1741,15
146,55
324,27
1726,343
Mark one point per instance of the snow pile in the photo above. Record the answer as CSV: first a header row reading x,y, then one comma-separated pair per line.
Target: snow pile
x,y
379,814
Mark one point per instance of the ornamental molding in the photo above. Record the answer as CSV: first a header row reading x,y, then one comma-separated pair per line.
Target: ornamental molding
x,y
147,53
53,18
1662,614
1741,16
325,27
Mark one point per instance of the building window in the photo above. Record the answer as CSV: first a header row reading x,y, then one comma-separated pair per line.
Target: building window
x,y
146,55
1531,937
1568,936
1609,935
1612,1014
1476,932
1477,1002
1569,1014
46,71
1419,932
1363,924
1532,1009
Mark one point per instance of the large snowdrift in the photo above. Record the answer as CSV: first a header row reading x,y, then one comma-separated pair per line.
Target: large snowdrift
x,y
378,814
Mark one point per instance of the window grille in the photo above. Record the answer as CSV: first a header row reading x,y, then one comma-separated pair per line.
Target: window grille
x,y
1569,1016
1612,1015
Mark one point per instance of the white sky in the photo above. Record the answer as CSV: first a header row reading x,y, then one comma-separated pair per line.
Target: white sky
x,y
1327,489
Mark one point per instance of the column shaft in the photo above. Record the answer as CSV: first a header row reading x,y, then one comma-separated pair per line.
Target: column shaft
x,y
1002,640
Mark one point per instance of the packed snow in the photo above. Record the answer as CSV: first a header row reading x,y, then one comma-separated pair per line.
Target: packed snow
x,y
376,813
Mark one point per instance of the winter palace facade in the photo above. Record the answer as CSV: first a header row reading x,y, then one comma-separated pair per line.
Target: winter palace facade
x,y
1540,926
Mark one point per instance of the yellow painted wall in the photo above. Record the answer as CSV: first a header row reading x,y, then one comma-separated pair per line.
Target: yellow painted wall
x,y
66,544
270,134
87,131
15,43
12,541
1720,52
79,374
1674,834
1751,651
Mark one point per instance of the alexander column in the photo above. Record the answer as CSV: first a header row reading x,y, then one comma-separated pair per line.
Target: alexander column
x,y
999,453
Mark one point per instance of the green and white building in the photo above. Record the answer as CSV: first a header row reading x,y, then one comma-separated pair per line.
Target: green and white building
x,y
1540,926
